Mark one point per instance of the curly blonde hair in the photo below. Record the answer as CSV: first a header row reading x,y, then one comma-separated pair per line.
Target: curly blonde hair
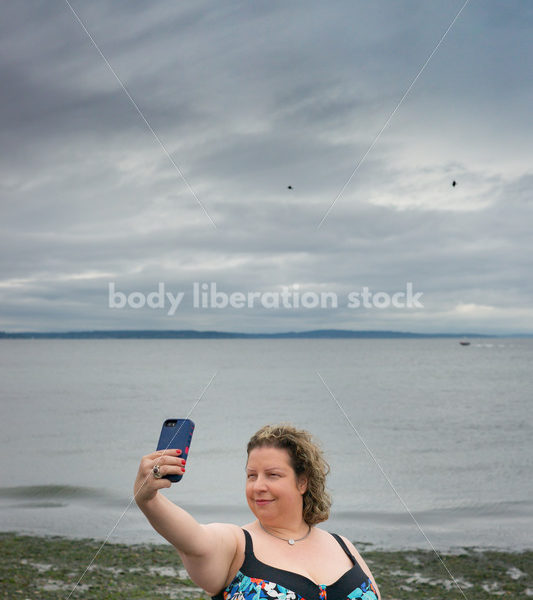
x,y
306,459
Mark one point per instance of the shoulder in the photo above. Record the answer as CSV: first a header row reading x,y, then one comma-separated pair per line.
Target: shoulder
x,y
226,532
212,571
360,560
355,552
223,527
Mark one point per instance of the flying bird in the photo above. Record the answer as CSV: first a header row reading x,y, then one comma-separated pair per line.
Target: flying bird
x,y
454,183
289,187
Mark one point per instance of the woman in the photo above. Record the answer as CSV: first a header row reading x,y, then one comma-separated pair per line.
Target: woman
x,y
279,555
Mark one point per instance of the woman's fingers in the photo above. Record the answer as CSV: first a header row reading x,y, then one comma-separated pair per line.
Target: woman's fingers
x,y
165,460
166,469
149,461
168,462
166,465
167,452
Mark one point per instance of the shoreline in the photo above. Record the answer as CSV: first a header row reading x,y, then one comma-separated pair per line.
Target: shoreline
x,y
48,567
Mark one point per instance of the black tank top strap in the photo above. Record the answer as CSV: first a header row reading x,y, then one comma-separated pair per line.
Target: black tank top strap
x,y
249,547
344,547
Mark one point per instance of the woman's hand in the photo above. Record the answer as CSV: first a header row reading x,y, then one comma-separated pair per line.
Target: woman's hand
x,y
146,485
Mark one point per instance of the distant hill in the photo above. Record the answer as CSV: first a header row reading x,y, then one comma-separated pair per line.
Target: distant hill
x,y
191,334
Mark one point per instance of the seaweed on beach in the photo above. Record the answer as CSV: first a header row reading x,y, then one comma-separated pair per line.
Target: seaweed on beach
x,y
54,567
470,574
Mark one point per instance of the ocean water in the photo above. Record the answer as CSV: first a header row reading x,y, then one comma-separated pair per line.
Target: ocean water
x,y
429,442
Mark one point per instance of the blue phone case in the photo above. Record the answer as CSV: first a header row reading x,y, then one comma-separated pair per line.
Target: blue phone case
x,y
176,433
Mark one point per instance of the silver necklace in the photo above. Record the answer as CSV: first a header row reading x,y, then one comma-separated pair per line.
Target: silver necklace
x,y
290,541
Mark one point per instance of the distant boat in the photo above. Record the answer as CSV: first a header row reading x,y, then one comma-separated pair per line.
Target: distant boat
x,y
464,343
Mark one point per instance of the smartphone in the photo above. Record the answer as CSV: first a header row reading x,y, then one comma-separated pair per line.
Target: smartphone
x,y
176,433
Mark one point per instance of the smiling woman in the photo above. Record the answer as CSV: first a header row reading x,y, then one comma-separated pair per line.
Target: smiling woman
x,y
281,554
305,462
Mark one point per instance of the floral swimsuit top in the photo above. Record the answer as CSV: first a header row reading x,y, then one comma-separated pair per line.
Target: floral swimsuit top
x,y
258,581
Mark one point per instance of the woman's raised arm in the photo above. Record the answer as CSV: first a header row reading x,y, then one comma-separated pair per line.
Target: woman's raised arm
x,y
207,551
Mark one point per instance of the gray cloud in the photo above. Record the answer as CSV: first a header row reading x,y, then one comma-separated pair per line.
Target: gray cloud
x,y
249,99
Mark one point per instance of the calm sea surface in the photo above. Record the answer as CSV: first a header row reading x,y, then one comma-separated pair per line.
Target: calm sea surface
x,y
413,429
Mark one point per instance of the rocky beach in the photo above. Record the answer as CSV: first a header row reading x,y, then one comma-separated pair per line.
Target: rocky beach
x,y
54,567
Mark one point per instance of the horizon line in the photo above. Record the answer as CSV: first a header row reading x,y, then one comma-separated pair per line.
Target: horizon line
x,y
214,333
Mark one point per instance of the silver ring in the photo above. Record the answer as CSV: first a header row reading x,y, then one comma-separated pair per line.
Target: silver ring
x,y
157,472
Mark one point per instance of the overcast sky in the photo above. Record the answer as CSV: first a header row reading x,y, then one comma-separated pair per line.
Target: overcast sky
x,y
249,98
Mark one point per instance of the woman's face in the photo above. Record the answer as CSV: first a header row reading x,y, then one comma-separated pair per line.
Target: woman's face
x,y
273,491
